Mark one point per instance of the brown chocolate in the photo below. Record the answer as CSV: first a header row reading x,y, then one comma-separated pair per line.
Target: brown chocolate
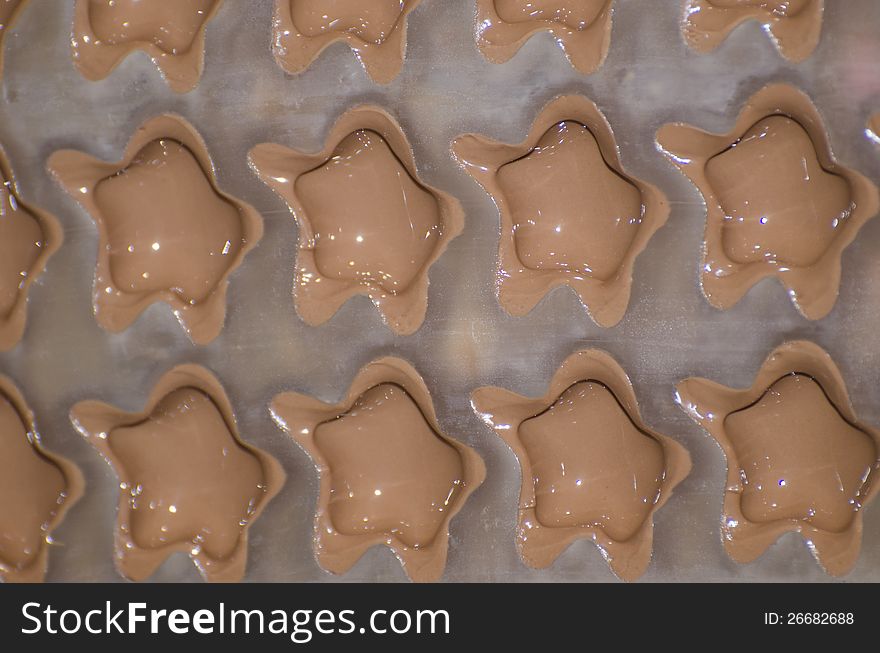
x,y
9,13
590,467
375,30
166,231
778,204
367,223
188,483
570,214
388,475
794,26
797,457
28,238
171,32
873,130
37,488
581,27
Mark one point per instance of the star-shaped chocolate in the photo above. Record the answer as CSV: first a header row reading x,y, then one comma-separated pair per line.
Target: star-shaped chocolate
x,y
188,483
798,459
388,475
794,26
28,238
582,28
171,32
375,30
37,488
367,223
590,466
9,13
570,214
778,204
166,231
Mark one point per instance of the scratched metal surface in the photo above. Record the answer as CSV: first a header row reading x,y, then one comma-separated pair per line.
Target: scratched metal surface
x,y
446,88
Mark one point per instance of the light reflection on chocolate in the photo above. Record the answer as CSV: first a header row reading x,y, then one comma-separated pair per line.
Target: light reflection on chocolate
x,y
581,27
590,467
388,475
37,488
778,204
794,26
375,30
570,215
166,231
28,238
188,483
171,32
368,225
797,457
874,128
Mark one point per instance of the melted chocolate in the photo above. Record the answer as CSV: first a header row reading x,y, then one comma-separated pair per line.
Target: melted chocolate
x,y
565,180
188,482
406,495
793,25
368,225
581,27
797,458
172,33
167,232
778,204
374,29
590,467
28,237
354,244
874,127
570,215
388,474
37,489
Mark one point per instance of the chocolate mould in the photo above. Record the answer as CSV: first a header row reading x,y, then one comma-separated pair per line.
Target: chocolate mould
x,y
9,13
567,173
789,217
375,30
590,467
29,237
42,485
172,34
794,26
388,474
146,252
582,28
798,458
367,223
669,332
198,497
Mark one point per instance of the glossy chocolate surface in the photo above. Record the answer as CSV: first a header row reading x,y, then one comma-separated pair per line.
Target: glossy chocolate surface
x,y
171,32
166,231
581,27
37,488
778,203
798,458
188,482
794,26
388,474
570,214
368,225
375,30
591,469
